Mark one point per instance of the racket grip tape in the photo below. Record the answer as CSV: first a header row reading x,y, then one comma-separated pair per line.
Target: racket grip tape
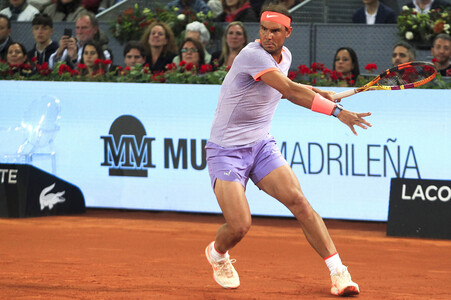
x,y
344,94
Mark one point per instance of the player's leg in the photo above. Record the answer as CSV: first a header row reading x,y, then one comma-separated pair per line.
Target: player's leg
x,y
282,184
234,206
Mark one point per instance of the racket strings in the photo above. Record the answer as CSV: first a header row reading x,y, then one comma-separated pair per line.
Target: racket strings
x,y
414,74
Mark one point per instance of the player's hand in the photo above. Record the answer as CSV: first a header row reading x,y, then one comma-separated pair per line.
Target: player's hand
x,y
351,118
325,94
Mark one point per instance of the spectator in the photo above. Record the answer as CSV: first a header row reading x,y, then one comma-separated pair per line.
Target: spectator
x,y
402,52
441,51
215,7
159,41
5,36
233,40
423,6
237,10
192,52
346,62
16,55
70,49
65,10
89,63
40,4
42,27
199,32
196,5
134,53
20,10
374,12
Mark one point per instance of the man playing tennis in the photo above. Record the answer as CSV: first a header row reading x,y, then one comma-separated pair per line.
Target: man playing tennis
x,y
240,148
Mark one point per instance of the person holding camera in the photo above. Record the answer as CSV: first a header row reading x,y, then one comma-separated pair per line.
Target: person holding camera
x,y
70,48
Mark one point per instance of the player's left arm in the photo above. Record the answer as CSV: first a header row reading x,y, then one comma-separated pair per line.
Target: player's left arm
x,y
303,96
295,92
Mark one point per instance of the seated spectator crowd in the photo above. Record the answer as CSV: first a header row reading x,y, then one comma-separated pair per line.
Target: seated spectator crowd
x,y
157,47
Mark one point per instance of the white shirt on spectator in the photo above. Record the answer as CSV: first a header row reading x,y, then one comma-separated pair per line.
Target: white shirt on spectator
x,y
426,8
53,61
26,16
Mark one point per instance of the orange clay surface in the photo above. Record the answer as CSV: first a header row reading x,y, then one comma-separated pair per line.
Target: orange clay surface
x,y
111,254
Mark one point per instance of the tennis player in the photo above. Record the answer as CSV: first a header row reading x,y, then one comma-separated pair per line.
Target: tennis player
x,y
240,148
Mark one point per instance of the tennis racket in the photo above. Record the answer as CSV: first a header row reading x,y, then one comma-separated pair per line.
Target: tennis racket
x,y
403,76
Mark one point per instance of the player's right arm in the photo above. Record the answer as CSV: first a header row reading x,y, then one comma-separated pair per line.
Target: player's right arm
x,y
303,96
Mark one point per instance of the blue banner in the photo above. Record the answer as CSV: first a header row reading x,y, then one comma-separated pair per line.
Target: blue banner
x,y
140,146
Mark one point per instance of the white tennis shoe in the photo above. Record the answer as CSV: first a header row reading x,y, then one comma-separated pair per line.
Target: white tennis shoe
x,y
342,284
223,271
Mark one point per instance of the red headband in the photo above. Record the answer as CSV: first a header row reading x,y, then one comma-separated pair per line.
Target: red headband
x,y
276,17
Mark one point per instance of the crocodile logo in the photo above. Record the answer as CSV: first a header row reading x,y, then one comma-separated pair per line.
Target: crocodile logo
x,y
47,199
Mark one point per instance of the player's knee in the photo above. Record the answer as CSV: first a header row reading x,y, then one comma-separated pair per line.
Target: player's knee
x,y
299,205
240,230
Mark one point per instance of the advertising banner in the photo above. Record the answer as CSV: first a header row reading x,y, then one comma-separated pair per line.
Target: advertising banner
x,y
141,146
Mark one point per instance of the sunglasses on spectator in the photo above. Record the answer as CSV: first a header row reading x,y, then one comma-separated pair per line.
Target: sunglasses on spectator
x,y
194,50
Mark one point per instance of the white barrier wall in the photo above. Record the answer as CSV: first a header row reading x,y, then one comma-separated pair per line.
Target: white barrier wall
x,y
344,176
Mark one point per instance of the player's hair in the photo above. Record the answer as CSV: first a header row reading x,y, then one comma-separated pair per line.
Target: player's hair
x,y
442,36
42,19
279,8
410,49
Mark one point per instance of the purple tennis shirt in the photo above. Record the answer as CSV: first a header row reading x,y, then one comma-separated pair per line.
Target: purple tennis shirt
x,y
246,105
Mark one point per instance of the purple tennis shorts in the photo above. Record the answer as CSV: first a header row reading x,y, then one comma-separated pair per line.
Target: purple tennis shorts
x,y
241,163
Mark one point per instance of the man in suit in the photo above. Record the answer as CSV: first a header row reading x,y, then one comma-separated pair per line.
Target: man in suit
x,y
423,6
374,12
5,35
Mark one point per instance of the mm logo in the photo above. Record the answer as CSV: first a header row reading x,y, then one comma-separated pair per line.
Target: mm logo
x,y
127,149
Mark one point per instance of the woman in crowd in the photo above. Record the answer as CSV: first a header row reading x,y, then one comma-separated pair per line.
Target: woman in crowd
x,y
233,40
65,10
16,54
346,62
192,52
159,41
89,64
237,10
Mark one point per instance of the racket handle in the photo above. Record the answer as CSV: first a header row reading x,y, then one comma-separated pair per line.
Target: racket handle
x,y
344,94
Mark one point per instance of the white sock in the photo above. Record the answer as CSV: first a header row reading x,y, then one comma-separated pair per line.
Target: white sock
x,y
216,255
334,263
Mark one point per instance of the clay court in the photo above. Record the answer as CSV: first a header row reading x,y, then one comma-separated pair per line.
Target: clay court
x,y
112,254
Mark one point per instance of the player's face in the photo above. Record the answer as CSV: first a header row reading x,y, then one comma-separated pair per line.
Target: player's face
x,y
133,57
42,33
343,62
273,36
441,51
400,56
235,37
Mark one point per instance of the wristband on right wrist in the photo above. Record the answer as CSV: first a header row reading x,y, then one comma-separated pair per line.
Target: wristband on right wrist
x,y
322,105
